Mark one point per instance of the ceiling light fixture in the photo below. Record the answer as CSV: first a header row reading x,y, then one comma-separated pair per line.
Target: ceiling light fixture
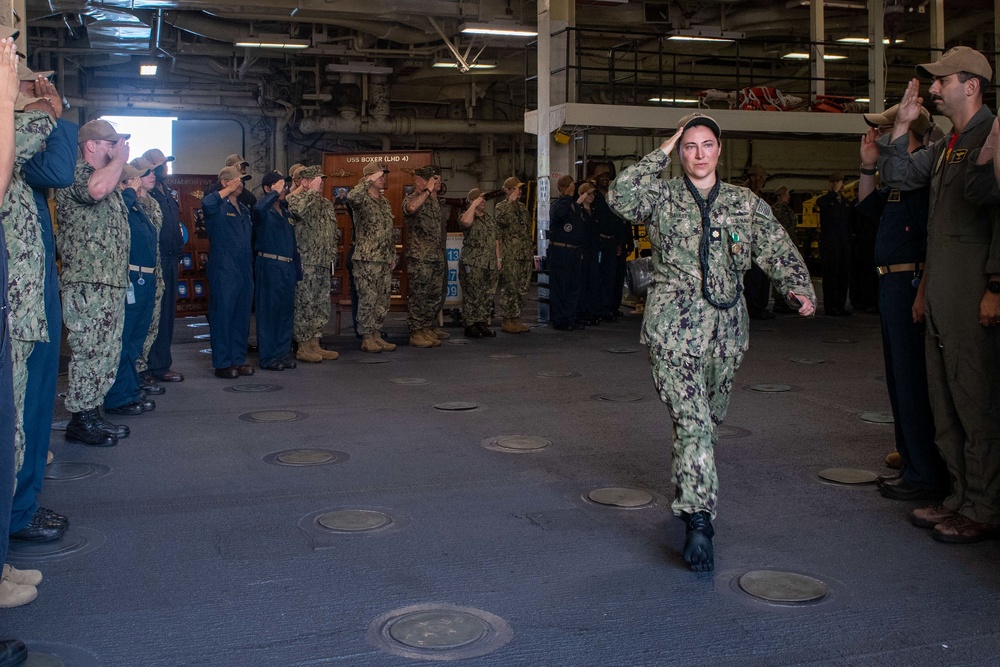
x,y
863,100
805,56
864,40
499,28
273,42
147,69
673,100
705,35
835,4
450,64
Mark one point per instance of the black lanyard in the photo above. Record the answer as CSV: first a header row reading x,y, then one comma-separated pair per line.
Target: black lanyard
x,y
704,247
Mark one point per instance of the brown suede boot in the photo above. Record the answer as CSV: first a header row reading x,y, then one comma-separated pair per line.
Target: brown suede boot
x,y
521,325
14,595
429,335
307,352
385,345
509,326
326,354
419,339
368,344
440,333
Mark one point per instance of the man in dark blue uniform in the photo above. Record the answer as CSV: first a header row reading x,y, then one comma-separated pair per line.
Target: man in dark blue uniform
x,y
624,241
230,274
171,244
835,213
275,275
900,250
125,397
53,167
565,257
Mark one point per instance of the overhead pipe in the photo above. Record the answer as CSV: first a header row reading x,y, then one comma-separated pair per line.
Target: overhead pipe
x,y
402,126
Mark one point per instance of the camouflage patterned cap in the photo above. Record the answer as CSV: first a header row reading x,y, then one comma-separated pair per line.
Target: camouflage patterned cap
x,y
310,172
427,172
696,119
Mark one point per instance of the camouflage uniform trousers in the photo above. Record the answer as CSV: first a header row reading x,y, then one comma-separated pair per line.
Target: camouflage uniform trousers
x,y
20,350
515,279
142,364
312,302
426,297
696,391
478,288
374,282
94,315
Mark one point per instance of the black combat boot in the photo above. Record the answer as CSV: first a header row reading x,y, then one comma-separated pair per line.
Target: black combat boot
x,y
698,550
120,431
84,427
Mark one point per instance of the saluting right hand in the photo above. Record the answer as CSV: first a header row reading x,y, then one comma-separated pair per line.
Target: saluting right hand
x,y
9,83
670,143
120,151
909,106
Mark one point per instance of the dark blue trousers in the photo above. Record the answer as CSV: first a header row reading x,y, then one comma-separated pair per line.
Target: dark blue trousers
x,y
906,380
39,401
230,281
138,317
565,278
275,307
160,359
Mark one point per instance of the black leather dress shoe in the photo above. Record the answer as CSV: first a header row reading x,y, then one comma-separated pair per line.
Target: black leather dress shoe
x,y
474,332
39,530
52,517
147,405
888,477
487,332
289,362
227,373
244,369
151,388
171,376
13,652
134,408
273,366
900,489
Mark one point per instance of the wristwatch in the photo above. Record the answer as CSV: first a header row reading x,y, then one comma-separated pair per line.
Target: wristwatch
x,y
993,286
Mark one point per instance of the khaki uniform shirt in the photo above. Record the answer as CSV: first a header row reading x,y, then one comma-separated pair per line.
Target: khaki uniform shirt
x,y
741,229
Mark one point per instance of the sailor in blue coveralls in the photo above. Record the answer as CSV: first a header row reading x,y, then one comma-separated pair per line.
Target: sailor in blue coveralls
x,y
52,167
275,273
900,250
565,258
230,274
125,397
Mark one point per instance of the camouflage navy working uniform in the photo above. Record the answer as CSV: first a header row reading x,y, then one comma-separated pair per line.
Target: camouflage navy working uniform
x,y
26,261
477,271
695,345
787,218
373,255
517,248
93,242
425,262
155,215
316,238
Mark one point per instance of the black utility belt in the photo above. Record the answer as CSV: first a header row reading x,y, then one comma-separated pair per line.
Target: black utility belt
x,y
564,245
280,258
899,268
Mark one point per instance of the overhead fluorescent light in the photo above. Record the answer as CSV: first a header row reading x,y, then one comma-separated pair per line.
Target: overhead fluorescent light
x,y
805,56
501,28
451,64
863,100
864,40
673,100
835,4
273,42
705,35
147,69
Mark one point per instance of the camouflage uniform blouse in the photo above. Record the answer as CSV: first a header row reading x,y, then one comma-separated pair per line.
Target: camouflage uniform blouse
x,y
514,225
479,248
316,232
25,245
372,225
423,230
741,228
93,236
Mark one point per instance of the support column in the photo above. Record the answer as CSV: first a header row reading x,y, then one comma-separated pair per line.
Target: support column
x,y
876,56
936,9
817,34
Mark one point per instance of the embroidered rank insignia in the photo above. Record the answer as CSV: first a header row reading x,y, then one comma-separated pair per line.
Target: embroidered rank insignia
x,y
958,155
894,195
716,234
